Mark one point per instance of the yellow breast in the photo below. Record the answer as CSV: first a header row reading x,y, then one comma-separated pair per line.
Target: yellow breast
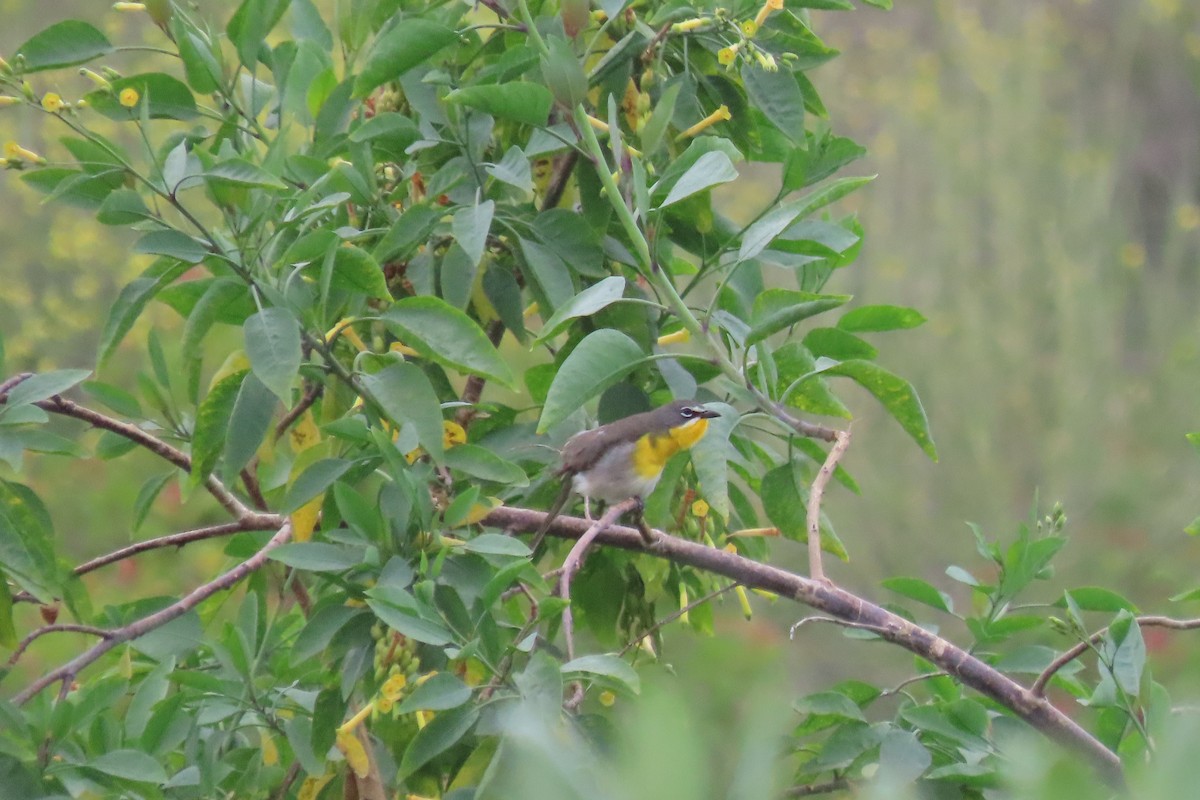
x,y
652,450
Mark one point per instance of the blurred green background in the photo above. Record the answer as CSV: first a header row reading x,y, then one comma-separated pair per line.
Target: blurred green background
x,y
1038,200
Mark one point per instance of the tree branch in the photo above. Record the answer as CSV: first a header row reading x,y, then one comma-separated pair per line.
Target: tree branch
x,y
810,789
65,628
815,496
842,605
1039,686
67,672
574,561
260,522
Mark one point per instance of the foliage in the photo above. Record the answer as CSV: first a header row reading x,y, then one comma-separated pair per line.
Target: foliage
x,y
443,233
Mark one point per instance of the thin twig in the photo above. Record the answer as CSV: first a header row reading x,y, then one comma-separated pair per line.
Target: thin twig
x,y
574,561
9,384
67,672
64,628
844,623
259,522
311,393
473,389
815,496
1038,687
60,405
908,682
564,165
674,615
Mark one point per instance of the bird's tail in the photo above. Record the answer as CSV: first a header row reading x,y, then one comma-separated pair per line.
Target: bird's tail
x,y
553,512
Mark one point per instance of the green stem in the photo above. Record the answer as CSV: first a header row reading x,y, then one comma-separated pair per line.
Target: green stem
x,y
534,34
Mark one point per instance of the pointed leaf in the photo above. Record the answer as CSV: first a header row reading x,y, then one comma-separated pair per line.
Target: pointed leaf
x,y
406,394
711,169
212,423
519,101
441,692
445,731
600,360
62,45
442,333
410,42
776,309
272,338
133,300
588,302
897,396
880,318
470,227
356,271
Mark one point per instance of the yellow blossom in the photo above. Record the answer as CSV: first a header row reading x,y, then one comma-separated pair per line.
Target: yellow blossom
x,y
677,337
356,755
607,699
14,152
720,115
452,434
700,509
52,102
690,24
129,97
744,601
403,349
394,686
726,55
765,11
8,100
766,61
129,6
683,605
384,705
749,28
100,81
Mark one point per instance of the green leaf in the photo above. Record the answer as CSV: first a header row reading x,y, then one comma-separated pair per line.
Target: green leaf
x,y
589,301
114,397
241,172
409,230
897,396
564,73
921,591
122,207
1129,655
411,41
880,318
549,271
776,309
130,765
146,496
443,334
62,45
800,384
354,270
778,96
318,477
519,101
212,423
602,358
249,26
44,385
785,503
822,158
607,666
411,625
470,226
443,732
26,548
8,631
829,704
173,243
441,692
272,341
248,424
1097,598
513,169
160,96
482,463
711,456
317,556
132,301
762,233
407,396
838,345
496,544
711,169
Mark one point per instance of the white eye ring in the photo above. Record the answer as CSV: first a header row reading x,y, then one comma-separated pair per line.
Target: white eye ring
x,y
687,413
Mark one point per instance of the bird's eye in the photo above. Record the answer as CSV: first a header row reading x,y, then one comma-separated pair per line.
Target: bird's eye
x,y
687,413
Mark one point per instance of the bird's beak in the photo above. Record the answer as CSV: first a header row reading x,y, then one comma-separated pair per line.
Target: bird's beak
x,y
706,413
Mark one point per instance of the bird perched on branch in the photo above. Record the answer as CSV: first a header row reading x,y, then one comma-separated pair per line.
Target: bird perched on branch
x,y
625,458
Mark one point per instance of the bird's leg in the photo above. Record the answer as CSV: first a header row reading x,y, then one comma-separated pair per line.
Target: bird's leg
x,y
639,521
587,508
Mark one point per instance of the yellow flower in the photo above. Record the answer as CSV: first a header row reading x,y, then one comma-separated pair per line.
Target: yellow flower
x,y
14,152
394,686
720,115
452,434
726,55
690,24
8,100
129,6
749,28
52,102
607,699
765,11
129,97
99,80
678,337
700,509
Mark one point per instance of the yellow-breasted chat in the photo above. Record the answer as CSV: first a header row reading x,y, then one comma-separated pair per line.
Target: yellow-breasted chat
x,y
625,458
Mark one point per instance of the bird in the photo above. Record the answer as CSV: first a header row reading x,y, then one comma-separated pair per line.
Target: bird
x,y
625,458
